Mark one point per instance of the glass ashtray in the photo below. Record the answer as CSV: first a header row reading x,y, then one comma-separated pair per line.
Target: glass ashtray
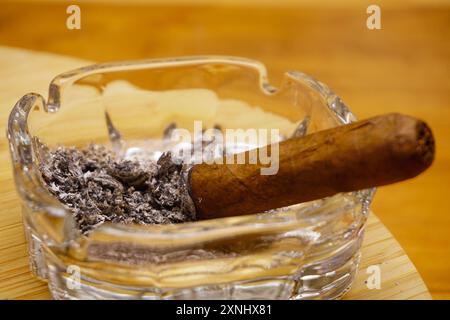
x,y
306,251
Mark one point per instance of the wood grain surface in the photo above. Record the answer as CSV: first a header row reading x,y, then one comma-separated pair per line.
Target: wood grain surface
x,y
404,68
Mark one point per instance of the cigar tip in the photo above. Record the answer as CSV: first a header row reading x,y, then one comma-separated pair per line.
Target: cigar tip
x,y
414,141
425,148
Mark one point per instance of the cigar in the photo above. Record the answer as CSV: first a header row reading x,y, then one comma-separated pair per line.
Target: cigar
x,y
365,154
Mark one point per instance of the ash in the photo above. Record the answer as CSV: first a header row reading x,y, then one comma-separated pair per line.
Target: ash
x,y
98,186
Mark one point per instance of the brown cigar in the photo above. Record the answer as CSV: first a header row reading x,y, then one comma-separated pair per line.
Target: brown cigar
x,y
369,153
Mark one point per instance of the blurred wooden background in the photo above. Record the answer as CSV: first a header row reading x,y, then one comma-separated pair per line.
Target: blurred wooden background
x,y
404,67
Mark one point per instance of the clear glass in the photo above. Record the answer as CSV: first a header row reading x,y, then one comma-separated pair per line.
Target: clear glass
x,y
306,251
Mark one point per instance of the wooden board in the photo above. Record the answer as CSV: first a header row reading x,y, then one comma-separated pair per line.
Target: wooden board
x,y
28,71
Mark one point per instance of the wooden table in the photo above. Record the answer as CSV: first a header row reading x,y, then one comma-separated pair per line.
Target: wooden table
x,y
404,67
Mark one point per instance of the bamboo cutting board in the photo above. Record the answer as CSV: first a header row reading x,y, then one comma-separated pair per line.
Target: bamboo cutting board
x,y
23,71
